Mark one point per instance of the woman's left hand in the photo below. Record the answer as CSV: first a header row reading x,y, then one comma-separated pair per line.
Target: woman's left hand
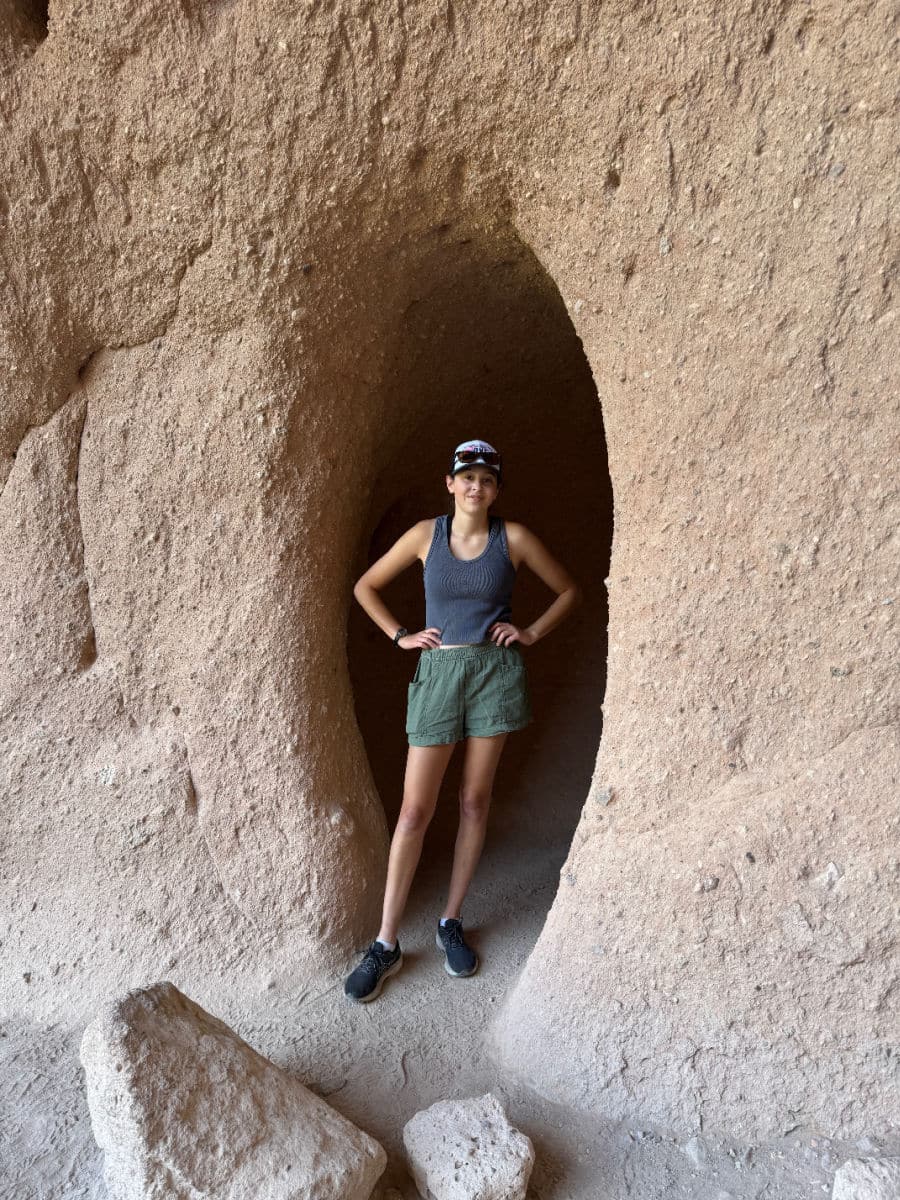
x,y
504,634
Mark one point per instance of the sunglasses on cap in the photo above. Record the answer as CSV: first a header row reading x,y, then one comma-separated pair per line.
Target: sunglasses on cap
x,y
490,458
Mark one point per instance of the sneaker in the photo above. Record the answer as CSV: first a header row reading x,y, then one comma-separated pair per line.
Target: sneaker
x,y
461,959
366,981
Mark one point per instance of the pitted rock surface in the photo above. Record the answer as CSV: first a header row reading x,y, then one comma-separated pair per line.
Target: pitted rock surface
x,y
467,1150
867,1179
183,1108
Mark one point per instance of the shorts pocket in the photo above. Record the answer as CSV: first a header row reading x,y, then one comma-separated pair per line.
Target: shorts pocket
x,y
416,710
515,697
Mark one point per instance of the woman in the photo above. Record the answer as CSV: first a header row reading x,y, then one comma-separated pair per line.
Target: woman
x,y
470,685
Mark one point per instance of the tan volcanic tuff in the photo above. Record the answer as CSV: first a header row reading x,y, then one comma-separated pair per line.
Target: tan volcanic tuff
x,y
263,264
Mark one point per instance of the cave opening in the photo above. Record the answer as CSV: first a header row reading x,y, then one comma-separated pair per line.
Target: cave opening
x,y
484,347
37,14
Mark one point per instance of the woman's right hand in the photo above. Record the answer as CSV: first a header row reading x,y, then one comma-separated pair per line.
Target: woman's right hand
x,y
426,639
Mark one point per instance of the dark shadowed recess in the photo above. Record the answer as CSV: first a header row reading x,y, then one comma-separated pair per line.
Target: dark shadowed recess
x,y
36,13
486,349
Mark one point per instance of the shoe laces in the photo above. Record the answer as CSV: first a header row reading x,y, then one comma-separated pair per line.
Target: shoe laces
x,y
373,959
453,934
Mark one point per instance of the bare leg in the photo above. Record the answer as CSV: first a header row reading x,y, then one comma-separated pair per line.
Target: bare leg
x,y
479,768
425,767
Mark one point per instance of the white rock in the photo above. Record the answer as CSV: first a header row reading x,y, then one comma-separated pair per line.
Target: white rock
x,y
867,1179
829,877
184,1109
695,1151
467,1150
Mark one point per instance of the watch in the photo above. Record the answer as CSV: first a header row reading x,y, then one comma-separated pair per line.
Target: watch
x,y
399,634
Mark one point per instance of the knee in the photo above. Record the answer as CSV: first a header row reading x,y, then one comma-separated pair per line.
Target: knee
x,y
414,818
474,803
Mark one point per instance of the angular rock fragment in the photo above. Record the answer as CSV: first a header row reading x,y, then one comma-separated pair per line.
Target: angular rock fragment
x,y
467,1150
183,1109
867,1179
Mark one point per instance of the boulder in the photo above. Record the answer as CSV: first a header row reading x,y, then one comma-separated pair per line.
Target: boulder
x,y
182,1108
467,1150
867,1179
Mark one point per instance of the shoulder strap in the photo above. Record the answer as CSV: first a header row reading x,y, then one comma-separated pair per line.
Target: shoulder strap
x,y
435,538
503,542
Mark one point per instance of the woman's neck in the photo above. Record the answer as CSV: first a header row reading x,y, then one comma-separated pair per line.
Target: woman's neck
x,y
466,526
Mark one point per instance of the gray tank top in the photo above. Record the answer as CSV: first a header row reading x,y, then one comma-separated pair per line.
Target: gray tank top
x,y
464,597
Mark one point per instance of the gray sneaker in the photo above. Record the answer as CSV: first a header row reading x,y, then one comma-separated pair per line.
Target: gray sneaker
x,y
365,982
461,959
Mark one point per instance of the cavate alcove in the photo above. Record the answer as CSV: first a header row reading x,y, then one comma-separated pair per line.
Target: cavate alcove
x,y
486,349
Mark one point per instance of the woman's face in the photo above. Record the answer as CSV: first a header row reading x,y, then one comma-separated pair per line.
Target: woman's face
x,y
473,488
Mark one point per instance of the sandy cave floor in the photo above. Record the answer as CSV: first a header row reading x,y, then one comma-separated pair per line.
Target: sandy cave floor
x,y
420,1041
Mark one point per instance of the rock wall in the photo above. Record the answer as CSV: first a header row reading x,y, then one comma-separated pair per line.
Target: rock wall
x,y
218,221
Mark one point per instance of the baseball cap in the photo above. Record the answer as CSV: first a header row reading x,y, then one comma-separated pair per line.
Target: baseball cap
x,y
475,453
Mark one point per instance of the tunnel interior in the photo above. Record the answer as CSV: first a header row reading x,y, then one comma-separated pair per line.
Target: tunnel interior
x,y
36,14
485,348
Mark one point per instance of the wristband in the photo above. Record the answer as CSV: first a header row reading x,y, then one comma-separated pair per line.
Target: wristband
x,y
399,634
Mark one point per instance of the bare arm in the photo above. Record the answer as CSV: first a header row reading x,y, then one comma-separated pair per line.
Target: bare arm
x,y
401,555
530,550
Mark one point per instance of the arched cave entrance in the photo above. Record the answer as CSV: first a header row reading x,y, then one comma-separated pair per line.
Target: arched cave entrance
x,y
486,348
34,17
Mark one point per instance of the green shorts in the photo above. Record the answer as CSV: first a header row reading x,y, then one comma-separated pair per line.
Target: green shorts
x,y
467,691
